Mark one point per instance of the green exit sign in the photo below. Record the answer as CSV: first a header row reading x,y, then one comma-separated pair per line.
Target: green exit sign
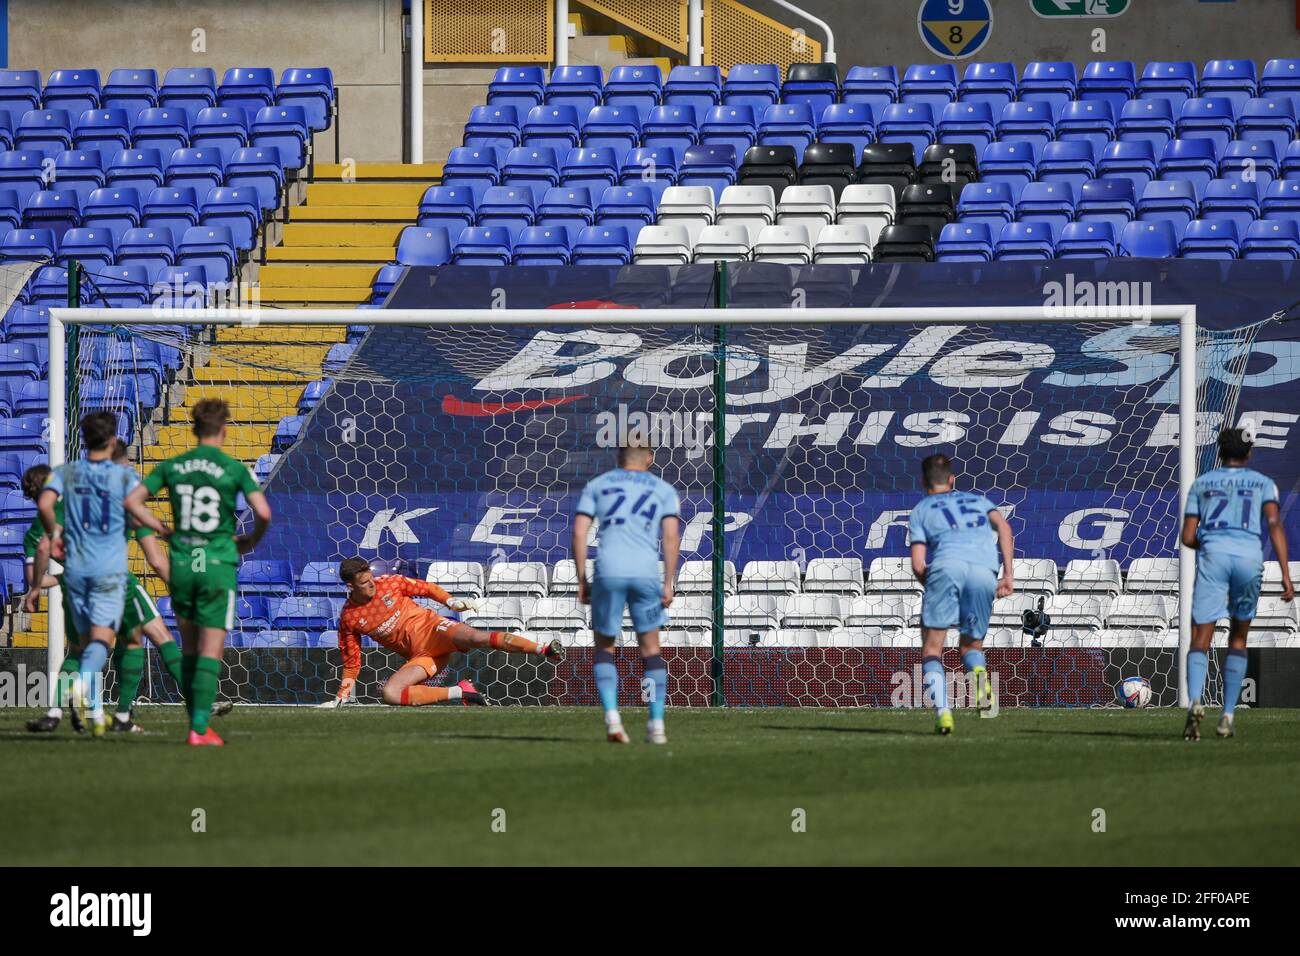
x,y
1079,8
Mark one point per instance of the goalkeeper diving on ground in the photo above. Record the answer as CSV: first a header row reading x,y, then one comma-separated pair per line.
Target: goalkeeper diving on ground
x,y
383,609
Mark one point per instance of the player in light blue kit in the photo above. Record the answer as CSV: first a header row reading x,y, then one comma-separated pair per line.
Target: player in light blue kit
x,y
957,530
1227,509
634,509
92,545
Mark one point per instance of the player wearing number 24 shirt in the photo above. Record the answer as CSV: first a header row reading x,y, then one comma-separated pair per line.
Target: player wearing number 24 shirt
x,y
1227,510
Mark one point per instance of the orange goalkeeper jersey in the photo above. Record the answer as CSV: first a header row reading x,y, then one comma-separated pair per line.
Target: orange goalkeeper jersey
x,y
392,619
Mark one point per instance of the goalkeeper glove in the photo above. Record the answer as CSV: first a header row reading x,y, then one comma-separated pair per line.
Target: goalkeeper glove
x,y
461,604
345,688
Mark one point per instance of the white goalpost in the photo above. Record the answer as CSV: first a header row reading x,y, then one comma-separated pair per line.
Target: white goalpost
x,y
455,331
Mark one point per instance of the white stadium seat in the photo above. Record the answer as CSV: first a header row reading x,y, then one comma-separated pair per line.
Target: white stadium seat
x,y
752,612
871,204
882,610
1140,611
834,576
696,577
1077,610
817,611
695,202
557,614
798,637
846,243
1272,583
691,612
1273,613
892,574
752,206
724,242
1035,576
1152,576
519,578
809,206
853,637
789,245
500,613
1099,576
770,577
1007,611
668,244
461,578
564,578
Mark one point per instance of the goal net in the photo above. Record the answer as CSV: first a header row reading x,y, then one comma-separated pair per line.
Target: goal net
x,y
453,447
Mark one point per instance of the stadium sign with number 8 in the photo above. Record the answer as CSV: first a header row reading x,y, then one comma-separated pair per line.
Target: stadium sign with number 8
x,y
955,29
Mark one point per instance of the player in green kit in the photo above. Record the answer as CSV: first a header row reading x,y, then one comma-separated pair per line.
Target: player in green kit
x,y
203,485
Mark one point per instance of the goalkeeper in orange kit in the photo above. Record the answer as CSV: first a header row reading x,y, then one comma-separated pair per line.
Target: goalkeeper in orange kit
x,y
382,607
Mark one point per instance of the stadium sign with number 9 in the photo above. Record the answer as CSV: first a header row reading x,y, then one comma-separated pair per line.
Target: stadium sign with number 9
x,y
955,29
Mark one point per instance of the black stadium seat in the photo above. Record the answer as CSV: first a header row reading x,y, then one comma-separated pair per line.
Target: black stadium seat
x,y
900,243
774,166
927,204
892,164
830,164
959,157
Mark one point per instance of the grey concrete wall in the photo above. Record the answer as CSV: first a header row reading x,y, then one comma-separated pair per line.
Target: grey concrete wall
x,y
359,39
885,31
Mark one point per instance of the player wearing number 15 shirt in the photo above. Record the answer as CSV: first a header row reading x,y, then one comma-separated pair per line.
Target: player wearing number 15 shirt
x,y
1228,509
203,485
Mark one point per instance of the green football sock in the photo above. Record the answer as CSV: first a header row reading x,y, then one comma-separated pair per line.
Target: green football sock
x,y
171,658
129,664
70,666
188,663
207,675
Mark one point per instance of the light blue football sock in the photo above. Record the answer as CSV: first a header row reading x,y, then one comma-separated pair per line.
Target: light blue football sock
x,y
935,683
1197,664
1234,672
656,671
972,659
93,659
606,679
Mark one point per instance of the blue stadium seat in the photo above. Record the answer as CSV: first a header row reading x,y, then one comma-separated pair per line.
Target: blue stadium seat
x,y
617,127
1270,120
991,83
249,87
1233,200
93,248
108,130
288,431
452,207
213,248
1282,200
698,86
1114,81
639,85
163,128
988,204
1171,200
1207,118
1146,120
1254,160
473,165
26,433
650,165
33,399
336,359
1281,78
510,206
131,90
139,169
1107,200
424,246
49,286
1234,80
675,126
27,244
965,242
1210,239
54,209
181,286
628,206
1195,160
312,394
21,171
1088,120
542,246
235,208
189,89
712,166
1272,239
114,208
285,128
1132,161
1029,240
20,91
535,166
1010,162
967,122
602,246
787,125
73,90
484,245
1052,203
1068,162
386,280
1049,82
22,362
26,322
730,125
45,131
569,206
6,131
257,168
911,123
203,169
876,86
266,578
223,128
815,85
122,396
578,86
321,578
80,171
128,286
170,207
311,88
934,84
1033,123
305,613
585,166
851,123
519,86
495,124
1168,80
11,210
152,246
1290,161
1149,240
756,85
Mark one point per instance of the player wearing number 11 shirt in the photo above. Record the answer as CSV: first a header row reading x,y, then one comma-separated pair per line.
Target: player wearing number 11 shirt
x,y
1227,510
203,485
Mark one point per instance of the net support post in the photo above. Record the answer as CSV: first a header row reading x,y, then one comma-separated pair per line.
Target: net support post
x,y
57,433
718,520
1187,434
417,81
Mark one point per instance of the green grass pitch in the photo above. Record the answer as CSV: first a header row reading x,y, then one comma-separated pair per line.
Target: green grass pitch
x,y
378,786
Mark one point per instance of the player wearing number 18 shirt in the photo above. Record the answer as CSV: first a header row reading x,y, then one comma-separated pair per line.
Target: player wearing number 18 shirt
x,y
203,485
1227,511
